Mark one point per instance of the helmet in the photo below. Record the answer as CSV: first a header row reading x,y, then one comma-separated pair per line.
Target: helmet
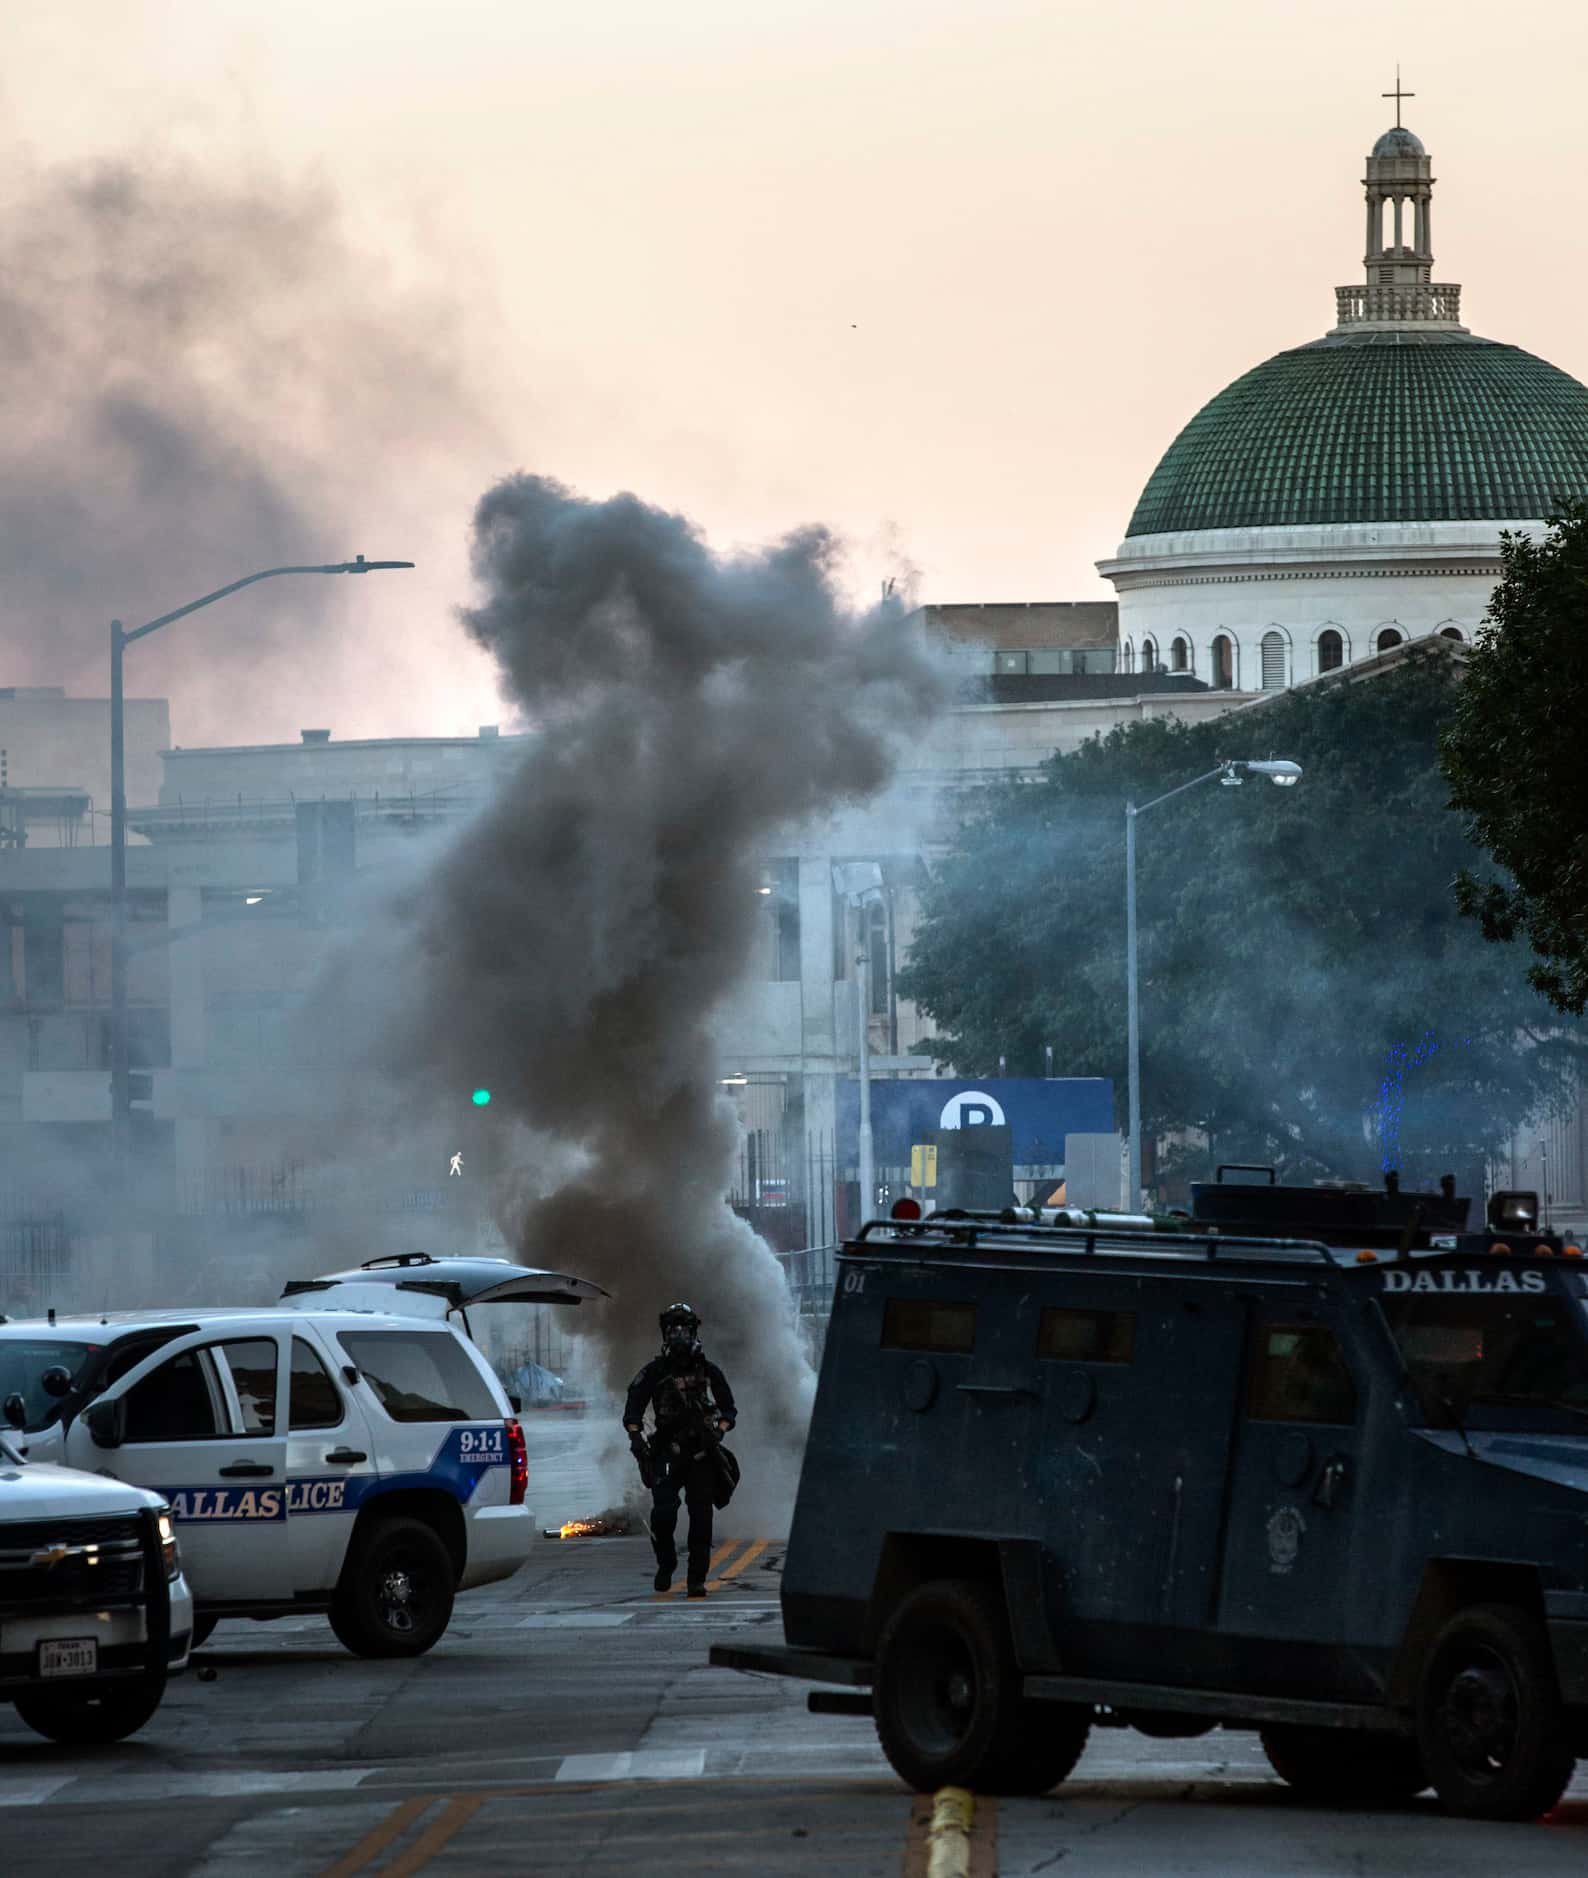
x,y
679,1325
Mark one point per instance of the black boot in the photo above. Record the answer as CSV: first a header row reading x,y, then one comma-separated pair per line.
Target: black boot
x,y
696,1589
664,1577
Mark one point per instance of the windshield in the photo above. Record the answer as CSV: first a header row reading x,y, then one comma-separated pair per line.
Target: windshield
x,y
23,1361
1495,1362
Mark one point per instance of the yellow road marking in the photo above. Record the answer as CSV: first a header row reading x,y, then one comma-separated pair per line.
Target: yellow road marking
x,y
712,1563
740,1563
952,1833
376,1840
456,1814
948,1836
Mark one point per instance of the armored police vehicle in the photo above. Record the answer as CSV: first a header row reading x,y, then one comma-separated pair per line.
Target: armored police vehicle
x,y
348,1451
94,1611
1177,1474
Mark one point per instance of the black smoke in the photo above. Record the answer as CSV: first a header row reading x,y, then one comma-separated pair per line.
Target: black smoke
x,y
575,943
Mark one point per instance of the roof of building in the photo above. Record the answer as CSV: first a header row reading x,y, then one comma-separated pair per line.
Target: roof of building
x,y
1025,623
1377,426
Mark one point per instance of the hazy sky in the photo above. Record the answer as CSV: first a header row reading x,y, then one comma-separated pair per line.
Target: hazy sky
x,y
946,276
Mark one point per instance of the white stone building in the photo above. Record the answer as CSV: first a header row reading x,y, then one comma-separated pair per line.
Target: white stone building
x,y
1349,494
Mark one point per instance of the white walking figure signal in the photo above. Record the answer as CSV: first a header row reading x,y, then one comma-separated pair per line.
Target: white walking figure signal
x,y
455,1166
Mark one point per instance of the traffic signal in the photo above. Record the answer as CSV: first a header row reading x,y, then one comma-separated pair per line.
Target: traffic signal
x,y
481,1098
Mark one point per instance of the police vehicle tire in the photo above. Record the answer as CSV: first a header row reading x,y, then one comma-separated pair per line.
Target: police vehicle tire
x,y
91,1717
395,1594
1339,1764
948,1704
203,1629
1489,1716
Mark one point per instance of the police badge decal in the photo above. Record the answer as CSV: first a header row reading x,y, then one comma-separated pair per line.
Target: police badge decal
x,y
1286,1528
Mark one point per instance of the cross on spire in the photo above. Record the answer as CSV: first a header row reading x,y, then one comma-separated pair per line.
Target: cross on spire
x,y
1397,94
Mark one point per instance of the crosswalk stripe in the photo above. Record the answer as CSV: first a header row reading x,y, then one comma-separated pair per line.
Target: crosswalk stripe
x,y
642,1764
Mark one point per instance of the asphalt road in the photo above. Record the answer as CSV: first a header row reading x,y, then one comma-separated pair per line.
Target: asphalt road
x,y
569,1723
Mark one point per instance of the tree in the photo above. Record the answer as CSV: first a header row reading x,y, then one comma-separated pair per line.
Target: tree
x,y
1309,993
1513,755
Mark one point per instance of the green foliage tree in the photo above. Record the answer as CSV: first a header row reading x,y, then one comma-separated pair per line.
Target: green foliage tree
x,y
1513,758
1309,993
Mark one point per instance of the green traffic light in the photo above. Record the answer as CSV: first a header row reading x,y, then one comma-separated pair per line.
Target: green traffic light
x,y
481,1097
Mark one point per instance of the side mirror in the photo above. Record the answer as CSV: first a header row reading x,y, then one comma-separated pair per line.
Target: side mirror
x,y
16,1411
106,1422
516,1404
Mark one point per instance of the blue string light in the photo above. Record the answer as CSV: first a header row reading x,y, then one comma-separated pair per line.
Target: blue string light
x,y
1398,1060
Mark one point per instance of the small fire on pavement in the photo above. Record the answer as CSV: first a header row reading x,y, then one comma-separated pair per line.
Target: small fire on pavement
x,y
606,1527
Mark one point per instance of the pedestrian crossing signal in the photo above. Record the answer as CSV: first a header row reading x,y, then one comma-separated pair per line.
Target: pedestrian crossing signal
x,y
481,1098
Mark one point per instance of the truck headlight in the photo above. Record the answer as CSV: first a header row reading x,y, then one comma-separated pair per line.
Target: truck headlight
x,y
170,1552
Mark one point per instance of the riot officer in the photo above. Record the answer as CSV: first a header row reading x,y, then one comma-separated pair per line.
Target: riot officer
x,y
693,1407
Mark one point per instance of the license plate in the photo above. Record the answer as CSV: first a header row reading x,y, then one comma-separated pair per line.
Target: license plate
x,y
69,1656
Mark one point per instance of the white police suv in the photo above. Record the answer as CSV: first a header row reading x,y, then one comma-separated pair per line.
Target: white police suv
x,y
94,1610
345,1451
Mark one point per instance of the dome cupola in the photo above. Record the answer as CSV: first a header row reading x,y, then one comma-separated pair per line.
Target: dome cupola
x,y
1350,493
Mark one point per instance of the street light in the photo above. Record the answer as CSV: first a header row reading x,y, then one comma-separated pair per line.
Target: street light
x,y
861,882
1231,773
120,1087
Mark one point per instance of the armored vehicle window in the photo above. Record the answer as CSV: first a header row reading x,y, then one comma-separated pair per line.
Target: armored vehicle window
x,y
1494,1361
924,1324
1087,1336
1299,1375
314,1401
179,1401
420,1375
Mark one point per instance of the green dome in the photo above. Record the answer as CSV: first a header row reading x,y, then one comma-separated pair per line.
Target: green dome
x,y
1391,426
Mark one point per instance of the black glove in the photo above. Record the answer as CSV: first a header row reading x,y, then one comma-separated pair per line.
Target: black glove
x,y
640,1449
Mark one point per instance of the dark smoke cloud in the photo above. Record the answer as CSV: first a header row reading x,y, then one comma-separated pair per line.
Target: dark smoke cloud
x,y
206,373
576,941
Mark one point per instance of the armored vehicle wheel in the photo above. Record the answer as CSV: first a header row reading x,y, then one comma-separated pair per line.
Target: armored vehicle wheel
x,y
1337,1764
395,1594
203,1629
948,1703
1489,1718
93,1715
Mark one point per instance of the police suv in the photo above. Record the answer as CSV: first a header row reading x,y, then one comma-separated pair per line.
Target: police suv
x,y
348,1451
1187,1473
94,1610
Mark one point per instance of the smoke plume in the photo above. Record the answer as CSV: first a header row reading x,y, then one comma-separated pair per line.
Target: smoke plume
x,y
577,939
208,373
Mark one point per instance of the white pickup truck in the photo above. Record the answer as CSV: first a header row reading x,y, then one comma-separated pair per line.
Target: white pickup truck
x,y
94,1610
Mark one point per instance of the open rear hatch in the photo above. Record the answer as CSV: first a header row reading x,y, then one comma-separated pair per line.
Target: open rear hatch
x,y
458,1283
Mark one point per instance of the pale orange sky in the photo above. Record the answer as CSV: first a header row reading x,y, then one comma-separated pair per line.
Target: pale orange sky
x,y
948,277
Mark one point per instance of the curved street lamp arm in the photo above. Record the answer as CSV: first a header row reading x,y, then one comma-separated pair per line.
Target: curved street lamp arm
x,y
1133,808
360,566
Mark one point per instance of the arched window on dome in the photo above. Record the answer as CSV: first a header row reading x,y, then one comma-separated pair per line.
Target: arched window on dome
x,y
1331,650
1180,654
1453,632
1223,663
1387,639
1273,650
1128,657
1149,656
